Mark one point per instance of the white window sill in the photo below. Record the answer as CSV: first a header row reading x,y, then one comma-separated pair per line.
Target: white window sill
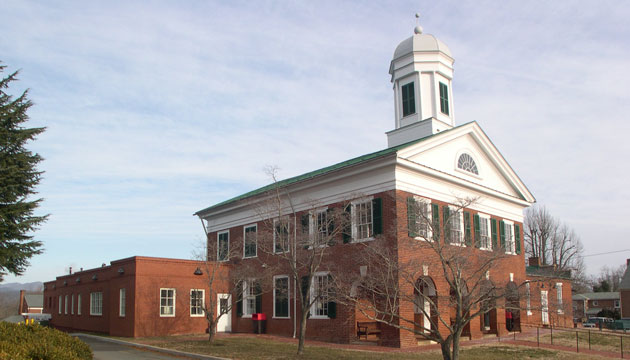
x,y
281,317
485,249
167,316
246,316
319,317
529,313
420,238
360,241
560,311
197,315
250,257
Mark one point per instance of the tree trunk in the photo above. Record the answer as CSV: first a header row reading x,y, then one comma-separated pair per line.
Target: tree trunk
x,y
302,335
446,349
211,334
456,338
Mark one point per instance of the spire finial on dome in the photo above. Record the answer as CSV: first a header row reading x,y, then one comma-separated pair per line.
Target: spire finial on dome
x,y
418,28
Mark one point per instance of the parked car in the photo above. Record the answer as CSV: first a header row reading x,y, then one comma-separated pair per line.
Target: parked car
x,y
597,322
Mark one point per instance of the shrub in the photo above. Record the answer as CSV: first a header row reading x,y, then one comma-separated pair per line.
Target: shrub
x,y
26,342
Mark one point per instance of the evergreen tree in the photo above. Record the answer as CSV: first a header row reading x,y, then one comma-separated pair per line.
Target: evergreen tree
x,y
18,178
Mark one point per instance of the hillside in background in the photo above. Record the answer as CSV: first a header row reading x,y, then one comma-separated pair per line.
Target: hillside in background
x,y
10,296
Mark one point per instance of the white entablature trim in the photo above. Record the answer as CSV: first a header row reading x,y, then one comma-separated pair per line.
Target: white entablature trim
x,y
341,185
485,145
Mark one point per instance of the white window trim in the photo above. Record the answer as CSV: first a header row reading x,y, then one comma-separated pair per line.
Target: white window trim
x,y
72,305
455,210
559,297
275,221
92,308
244,239
353,213
203,301
122,302
529,298
79,304
617,304
65,305
312,292
244,298
288,296
228,243
60,304
174,302
489,228
512,250
429,217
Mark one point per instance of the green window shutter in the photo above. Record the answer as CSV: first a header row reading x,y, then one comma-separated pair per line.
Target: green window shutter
x,y
330,218
502,230
377,216
444,98
435,214
239,299
477,230
446,223
347,231
305,223
467,230
304,286
411,216
517,238
493,225
332,306
408,99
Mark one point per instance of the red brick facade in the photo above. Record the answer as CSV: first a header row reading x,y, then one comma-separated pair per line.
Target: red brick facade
x,y
142,278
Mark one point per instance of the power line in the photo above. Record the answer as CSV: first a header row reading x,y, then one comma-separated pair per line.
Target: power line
x,y
606,253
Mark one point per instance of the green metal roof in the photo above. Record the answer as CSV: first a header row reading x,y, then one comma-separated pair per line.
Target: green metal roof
x,y
328,169
547,271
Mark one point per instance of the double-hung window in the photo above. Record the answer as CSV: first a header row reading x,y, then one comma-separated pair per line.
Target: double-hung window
x,y
319,296
408,99
196,302
223,246
96,303
508,237
250,241
167,302
281,296
280,235
249,298
455,219
320,222
122,302
362,220
484,239
419,217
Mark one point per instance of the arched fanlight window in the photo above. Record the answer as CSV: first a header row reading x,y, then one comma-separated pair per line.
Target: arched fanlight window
x,y
466,163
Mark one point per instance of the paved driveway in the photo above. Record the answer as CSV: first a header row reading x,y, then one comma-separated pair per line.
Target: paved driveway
x,y
110,350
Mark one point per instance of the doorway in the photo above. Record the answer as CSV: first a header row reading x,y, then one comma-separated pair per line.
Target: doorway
x,y
224,306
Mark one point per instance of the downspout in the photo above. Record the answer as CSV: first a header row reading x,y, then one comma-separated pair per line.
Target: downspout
x,y
294,278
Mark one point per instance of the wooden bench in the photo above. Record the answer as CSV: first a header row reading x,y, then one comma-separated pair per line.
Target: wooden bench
x,y
367,328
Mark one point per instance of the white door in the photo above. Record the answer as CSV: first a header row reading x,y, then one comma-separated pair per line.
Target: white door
x,y
544,304
224,302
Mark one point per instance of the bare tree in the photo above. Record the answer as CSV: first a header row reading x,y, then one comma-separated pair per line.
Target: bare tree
x,y
554,243
299,243
392,280
608,278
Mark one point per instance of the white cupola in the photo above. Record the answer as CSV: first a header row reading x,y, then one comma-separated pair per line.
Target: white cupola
x,y
422,75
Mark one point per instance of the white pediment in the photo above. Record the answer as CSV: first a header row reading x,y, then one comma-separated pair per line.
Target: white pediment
x,y
441,152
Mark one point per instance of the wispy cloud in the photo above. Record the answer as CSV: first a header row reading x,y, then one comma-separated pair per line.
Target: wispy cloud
x,y
157,110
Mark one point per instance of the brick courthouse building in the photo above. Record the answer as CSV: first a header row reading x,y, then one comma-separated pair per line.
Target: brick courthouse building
x,y
429,160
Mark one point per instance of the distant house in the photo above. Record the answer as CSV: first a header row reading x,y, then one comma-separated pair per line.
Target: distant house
x,y
587,305
30,303
624,292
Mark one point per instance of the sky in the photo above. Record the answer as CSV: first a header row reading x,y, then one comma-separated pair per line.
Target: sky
x,y
155,110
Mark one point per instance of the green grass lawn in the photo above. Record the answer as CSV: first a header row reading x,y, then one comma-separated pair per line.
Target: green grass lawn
x,y
602,341
240,347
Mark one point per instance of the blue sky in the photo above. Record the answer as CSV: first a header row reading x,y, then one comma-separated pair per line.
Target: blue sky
x,y
158,109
